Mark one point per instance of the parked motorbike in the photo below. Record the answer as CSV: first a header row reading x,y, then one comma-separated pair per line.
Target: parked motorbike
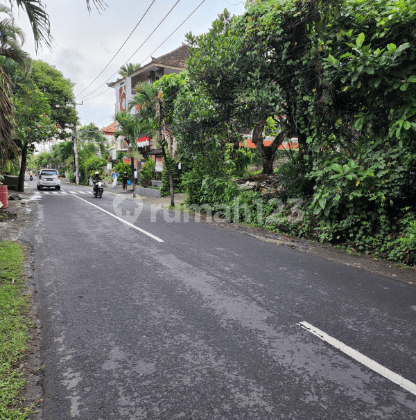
x,y
98,189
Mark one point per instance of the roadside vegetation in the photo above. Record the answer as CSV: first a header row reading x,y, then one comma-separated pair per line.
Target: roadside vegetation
x,y
337,75
14,328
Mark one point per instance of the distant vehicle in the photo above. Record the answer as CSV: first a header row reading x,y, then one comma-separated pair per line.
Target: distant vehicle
x,y
49,178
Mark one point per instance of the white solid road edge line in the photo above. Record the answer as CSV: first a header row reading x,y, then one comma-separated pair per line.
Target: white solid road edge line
x,y
121,220
371,364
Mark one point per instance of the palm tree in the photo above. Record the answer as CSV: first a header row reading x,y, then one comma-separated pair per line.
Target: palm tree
x,y
131,128
11,57
146,98
150,109
127,69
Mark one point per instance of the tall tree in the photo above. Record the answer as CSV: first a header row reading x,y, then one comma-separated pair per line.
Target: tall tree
x,y
91,134
62,152
260,64
130,128
33,124
58,92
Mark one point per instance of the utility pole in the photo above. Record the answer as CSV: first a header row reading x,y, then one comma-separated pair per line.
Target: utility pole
x,y
76,155
75,139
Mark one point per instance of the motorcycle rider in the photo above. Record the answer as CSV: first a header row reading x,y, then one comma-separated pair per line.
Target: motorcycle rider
x,y
96,178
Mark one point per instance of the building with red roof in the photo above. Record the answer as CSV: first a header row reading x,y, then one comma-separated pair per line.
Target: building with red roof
x,y
172,62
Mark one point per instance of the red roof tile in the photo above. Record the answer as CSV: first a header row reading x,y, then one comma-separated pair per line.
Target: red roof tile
x,y
110,129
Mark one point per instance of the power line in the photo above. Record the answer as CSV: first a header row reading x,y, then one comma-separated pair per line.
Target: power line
x,y
154,30
102,93
124,43
200,4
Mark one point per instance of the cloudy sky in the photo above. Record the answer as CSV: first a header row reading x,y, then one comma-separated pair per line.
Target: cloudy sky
x,y
86,42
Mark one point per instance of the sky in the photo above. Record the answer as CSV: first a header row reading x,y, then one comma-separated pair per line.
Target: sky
x,y
84,42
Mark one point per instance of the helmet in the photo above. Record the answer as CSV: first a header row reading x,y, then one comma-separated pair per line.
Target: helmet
x,y
97,173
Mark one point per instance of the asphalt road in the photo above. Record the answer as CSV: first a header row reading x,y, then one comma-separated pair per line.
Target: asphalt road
x,y
206,324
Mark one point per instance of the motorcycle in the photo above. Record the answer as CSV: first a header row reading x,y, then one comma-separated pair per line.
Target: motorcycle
x,y
98,189
31,177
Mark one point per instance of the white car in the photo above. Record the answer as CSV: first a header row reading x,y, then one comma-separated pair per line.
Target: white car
x,y
49,178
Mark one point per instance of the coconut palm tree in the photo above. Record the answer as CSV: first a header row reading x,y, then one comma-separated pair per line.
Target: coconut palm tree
x,y
12,57
127,69
130,127
150,110
146,98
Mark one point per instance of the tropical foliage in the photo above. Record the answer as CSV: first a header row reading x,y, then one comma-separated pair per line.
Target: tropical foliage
x,y
58,91
33,124
11,51
339,76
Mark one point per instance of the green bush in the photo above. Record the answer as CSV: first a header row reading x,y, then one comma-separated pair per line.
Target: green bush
x,y
11,167
361,198
122,167
238,160
364,217
71,176
147,173
293,177
90,166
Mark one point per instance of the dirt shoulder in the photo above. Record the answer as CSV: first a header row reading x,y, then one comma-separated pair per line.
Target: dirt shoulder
x,y
14,223
367,263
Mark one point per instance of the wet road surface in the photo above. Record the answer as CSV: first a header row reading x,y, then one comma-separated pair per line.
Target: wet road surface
x,y
166,318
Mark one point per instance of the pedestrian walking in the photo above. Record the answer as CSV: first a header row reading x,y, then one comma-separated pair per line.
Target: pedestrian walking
x,y
136,176
115,175
124,180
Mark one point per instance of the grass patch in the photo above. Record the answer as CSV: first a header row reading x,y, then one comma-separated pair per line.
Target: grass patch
x,y
13,330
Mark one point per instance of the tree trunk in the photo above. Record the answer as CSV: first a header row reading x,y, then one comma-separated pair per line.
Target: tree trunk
x,y
266,152
268,159
302,136
172,190
21,186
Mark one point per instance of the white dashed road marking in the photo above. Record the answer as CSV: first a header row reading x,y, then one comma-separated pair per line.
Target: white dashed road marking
x,y
366,361
61,192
